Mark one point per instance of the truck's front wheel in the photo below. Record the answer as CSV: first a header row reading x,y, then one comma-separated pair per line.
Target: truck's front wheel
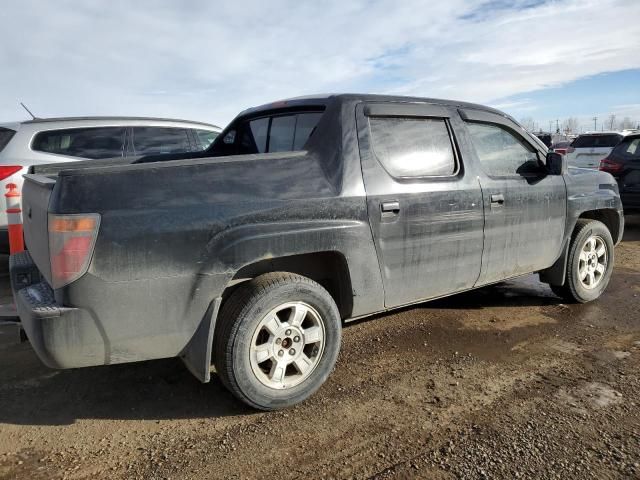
x,y
590,262
277,340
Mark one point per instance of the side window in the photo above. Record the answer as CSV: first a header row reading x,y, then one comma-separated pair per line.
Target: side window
x,y
276,133
500,152
159,140
205,137
93,143
413,147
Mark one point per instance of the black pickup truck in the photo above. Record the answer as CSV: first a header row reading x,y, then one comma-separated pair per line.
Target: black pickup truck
x,y
303,214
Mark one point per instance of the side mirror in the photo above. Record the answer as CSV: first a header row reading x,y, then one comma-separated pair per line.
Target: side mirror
x,y
556,163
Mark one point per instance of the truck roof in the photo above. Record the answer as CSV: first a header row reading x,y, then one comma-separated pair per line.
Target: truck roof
x,y
326,98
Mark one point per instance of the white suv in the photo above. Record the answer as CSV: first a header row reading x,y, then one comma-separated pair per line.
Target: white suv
x,y
588,149
54,140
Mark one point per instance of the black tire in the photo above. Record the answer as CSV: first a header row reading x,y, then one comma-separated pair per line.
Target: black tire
x,y
573,289
239,319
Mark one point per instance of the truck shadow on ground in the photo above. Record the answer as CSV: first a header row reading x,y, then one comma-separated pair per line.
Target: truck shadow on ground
x,y
155,390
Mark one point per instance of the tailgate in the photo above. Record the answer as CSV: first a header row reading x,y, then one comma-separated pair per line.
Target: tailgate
x,y
36,194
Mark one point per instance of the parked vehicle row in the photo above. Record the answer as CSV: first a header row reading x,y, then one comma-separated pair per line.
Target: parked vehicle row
x,y
300,216
588,149
53,140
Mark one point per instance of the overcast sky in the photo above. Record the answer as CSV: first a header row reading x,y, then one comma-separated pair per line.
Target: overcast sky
x,y
206,60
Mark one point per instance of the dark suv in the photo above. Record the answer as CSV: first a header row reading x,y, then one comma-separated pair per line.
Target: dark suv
x,y
624,164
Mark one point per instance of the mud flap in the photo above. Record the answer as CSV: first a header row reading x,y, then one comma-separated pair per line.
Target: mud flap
x,y
556,273
197,354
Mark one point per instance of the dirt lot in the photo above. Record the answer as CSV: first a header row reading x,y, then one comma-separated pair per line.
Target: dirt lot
x,y
504,382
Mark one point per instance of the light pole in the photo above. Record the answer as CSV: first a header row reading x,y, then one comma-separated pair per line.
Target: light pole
x,y
595,123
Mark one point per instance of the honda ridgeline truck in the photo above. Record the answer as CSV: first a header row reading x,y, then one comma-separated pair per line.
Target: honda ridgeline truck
x,y
302,215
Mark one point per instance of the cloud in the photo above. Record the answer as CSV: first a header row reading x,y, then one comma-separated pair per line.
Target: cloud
x,y
521,105
631,110
207,61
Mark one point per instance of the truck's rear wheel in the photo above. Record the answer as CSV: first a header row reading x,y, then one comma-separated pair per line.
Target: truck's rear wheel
x,y
277,340
590,262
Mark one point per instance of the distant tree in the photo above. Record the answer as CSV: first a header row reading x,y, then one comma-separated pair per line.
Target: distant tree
x,y
611,122
528,123
626,122
570,125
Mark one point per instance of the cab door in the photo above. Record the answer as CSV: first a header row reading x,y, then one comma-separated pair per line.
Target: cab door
x,y
525,208
425,208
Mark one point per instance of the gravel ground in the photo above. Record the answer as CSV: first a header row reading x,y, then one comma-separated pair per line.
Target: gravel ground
x,y
503,382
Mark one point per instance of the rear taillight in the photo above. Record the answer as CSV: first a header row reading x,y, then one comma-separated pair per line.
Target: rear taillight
x,y
8,170
611,166
71,242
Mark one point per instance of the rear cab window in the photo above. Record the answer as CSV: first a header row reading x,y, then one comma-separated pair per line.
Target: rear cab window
x,y
93,142
270,132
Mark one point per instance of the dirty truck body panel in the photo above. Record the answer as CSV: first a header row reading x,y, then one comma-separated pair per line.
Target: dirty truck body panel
x,y
175,235
524,215
432,244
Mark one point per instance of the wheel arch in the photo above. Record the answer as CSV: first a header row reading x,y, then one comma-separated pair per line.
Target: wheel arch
x,y
610,217
555,275
328,268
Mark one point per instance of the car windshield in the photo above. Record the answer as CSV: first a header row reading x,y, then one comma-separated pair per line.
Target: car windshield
x,y
597,141
5,136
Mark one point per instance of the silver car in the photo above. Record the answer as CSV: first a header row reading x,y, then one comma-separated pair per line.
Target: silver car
x,y
54,140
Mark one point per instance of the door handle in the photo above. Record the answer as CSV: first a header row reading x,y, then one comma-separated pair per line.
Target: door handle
x,y
390,207
497,199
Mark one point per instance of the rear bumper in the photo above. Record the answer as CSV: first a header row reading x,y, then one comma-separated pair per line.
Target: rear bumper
x,y
62,337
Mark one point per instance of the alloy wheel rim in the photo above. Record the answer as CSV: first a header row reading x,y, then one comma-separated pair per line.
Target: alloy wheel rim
x,y
593,261
287,345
